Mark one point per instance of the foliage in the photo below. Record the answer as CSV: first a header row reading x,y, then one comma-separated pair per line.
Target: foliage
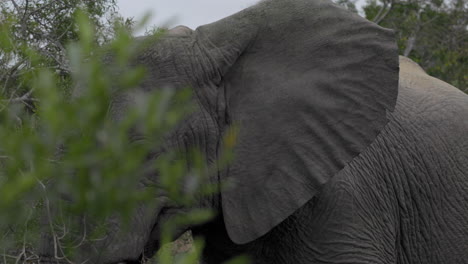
x,y
65,152
46,26
433,33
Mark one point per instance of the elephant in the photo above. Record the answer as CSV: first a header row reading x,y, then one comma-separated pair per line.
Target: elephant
x,y
345,153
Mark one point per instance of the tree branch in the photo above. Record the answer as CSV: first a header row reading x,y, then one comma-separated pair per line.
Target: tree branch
x,y
384,5
6,76
379,19
25,11
25,98
412,39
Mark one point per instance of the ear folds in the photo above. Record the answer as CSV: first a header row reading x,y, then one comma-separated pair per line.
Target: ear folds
x,y
310,91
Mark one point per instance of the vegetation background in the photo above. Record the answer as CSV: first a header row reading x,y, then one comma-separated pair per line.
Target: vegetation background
x,y
48,47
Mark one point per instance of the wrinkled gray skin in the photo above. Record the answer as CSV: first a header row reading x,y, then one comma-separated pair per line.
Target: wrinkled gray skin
x,y
345,153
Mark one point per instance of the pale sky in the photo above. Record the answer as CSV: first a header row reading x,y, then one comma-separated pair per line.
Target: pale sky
x,y
191,13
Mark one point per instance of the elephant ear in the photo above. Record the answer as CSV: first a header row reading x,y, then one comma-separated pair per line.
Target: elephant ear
x,y
309,85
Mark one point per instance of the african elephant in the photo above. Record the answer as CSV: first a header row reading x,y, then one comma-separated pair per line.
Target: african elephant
x,y
346,153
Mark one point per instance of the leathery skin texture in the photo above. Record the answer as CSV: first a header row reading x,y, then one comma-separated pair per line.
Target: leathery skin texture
x,y
400,201
343,153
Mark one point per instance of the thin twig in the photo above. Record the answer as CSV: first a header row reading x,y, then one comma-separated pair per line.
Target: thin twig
x,y
379,19
57,246
23,98
15,5
10,72
25,11
383,12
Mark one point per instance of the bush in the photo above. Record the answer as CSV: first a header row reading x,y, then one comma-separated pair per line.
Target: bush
x,y
65,152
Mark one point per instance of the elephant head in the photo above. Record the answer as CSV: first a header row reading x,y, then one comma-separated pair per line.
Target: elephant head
x,y
309,86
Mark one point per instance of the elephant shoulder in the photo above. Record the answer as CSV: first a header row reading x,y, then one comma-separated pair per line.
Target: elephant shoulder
x,y
415,81
423,96
431,108
408,65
